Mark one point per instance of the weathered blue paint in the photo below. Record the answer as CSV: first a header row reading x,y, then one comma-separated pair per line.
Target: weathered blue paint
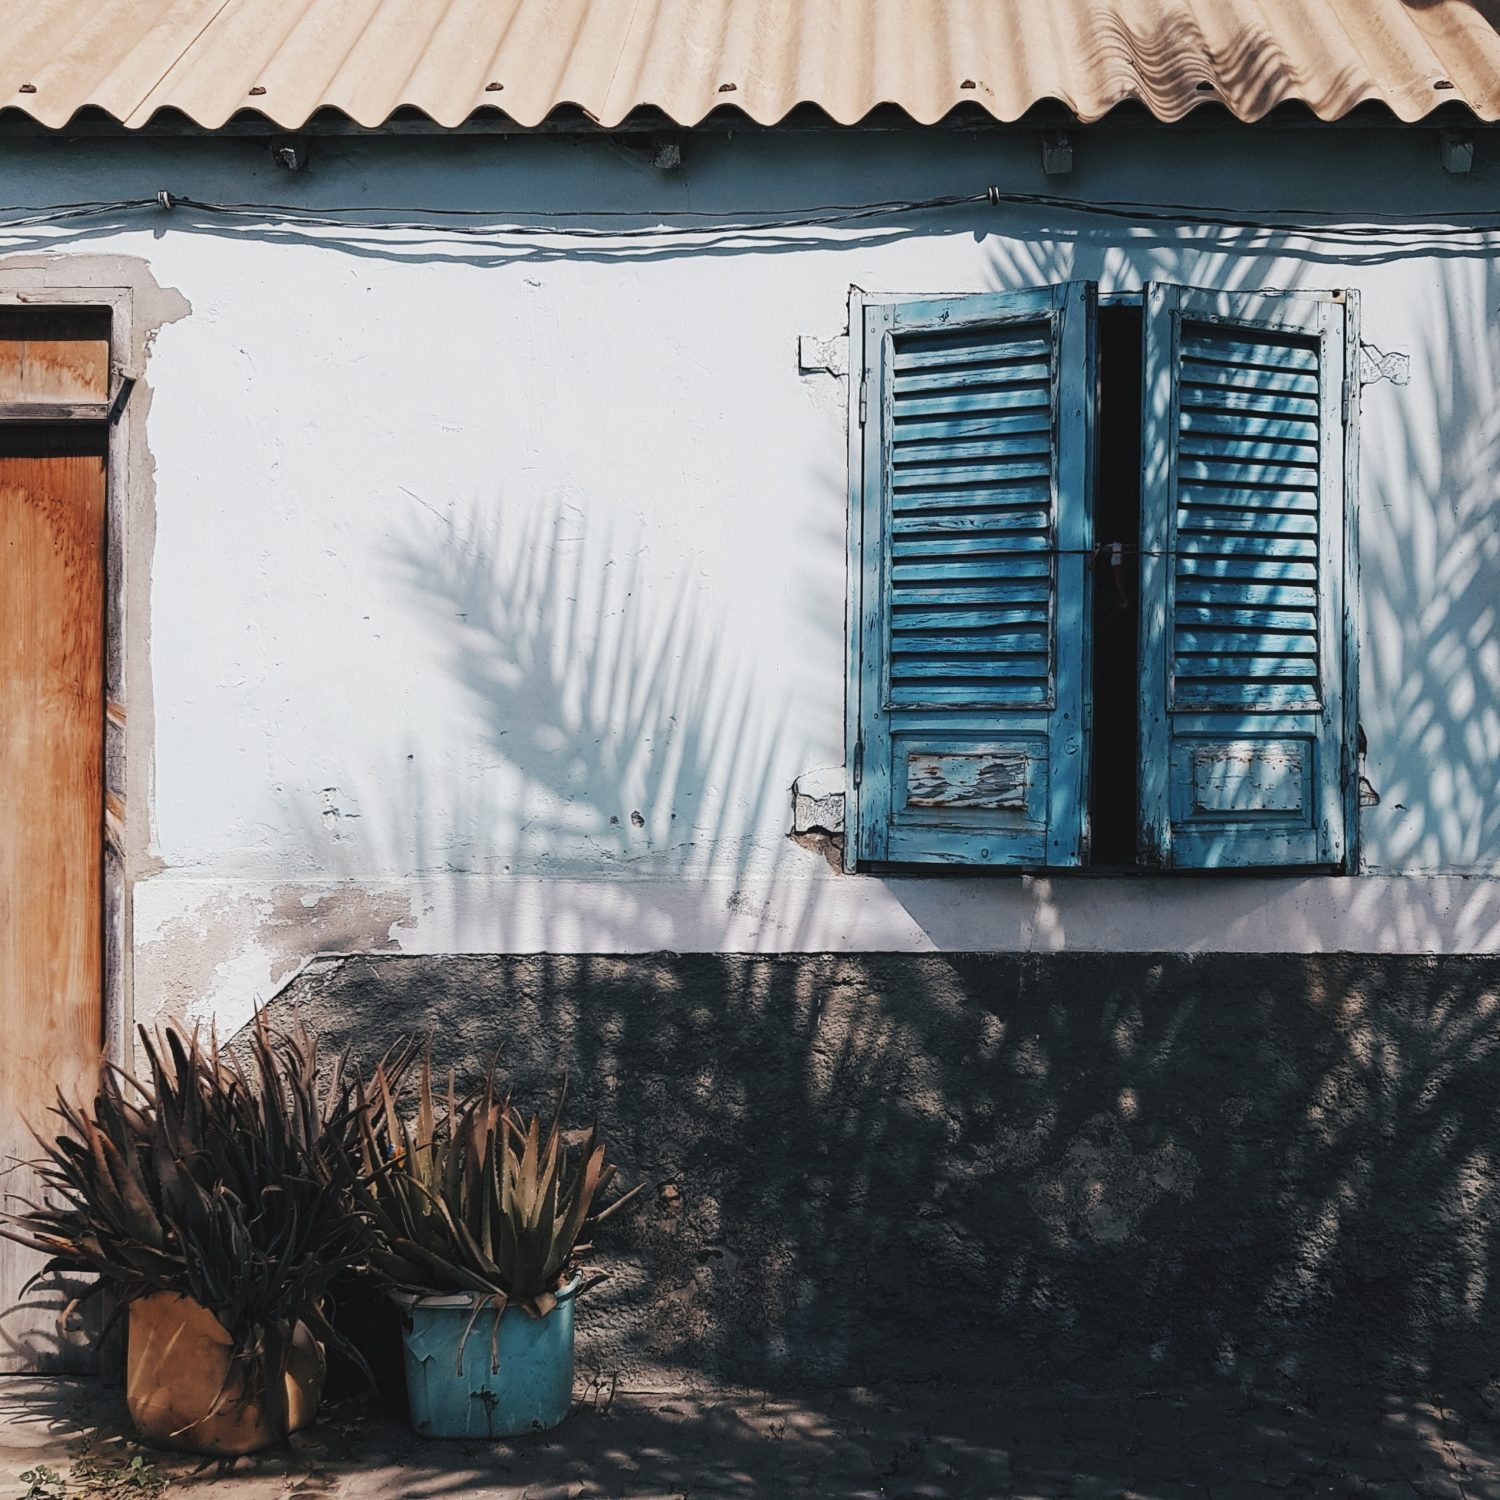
x,y
1243,623
974,516
870,770
497,1373
1349,623
854,591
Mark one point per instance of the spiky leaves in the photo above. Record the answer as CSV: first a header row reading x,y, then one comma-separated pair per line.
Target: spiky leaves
x,y
469,1195
228,1179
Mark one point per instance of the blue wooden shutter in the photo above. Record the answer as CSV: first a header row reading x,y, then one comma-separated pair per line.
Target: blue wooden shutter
x,y
970,636
1242,580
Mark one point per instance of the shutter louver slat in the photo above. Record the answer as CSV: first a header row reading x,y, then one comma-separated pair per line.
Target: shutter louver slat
x,y
914,354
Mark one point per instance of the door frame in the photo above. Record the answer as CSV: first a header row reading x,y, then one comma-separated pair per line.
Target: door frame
x,y
25,287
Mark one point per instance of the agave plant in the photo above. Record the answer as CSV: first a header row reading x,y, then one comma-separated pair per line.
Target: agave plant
x,y
472,1196
225,1179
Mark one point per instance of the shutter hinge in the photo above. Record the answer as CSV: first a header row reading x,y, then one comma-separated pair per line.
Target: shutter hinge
x,y
125,383
859,761
1351,388
864,397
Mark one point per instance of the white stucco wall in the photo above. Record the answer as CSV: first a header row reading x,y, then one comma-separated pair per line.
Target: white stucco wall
x,y
497,588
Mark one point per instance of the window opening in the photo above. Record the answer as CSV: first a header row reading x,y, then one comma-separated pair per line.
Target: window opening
x,y
1116,590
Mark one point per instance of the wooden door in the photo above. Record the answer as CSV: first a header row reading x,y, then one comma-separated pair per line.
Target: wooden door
x,y
52,543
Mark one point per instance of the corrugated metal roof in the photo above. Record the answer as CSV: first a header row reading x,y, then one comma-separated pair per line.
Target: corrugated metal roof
x,y
288,59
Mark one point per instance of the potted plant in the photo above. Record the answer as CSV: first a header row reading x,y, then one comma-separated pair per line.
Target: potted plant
x,y
215,1202
481,1221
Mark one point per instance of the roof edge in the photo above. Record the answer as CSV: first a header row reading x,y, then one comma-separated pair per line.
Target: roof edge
x,y
567,118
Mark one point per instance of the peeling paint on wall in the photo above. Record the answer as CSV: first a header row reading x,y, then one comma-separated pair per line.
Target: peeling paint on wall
x,y
224,954
437,602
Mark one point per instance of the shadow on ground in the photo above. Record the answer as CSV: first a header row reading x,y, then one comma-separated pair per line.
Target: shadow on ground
x,y
918,1441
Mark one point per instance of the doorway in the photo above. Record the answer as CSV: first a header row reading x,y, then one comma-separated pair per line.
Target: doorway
x,y
54,451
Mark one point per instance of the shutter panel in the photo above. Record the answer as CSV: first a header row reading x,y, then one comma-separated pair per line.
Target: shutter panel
x,y
1242,580
970,637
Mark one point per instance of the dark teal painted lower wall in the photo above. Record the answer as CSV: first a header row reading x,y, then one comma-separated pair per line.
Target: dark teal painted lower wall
x,y
1148,1168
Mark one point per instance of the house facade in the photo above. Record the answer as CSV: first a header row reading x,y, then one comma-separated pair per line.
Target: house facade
x,y
962,639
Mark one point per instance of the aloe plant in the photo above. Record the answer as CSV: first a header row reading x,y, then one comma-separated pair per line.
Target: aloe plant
x,y
470,1195
231,1181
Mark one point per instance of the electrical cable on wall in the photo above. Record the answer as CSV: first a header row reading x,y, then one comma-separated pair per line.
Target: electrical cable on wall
x,y
562,223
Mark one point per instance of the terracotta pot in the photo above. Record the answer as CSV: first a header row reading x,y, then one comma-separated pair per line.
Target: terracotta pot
x,y
183,1390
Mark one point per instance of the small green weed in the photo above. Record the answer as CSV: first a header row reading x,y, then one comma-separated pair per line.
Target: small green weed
x,y
91,1478
42,1483
133,1476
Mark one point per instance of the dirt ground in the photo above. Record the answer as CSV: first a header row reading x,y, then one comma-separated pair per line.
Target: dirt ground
x,y
912,1441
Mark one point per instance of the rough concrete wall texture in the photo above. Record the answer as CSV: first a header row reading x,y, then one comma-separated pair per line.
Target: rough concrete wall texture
x,y
497,588
1243,1168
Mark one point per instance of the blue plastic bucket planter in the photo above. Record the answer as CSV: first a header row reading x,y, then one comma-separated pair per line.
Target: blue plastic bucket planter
x,y
530,1389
